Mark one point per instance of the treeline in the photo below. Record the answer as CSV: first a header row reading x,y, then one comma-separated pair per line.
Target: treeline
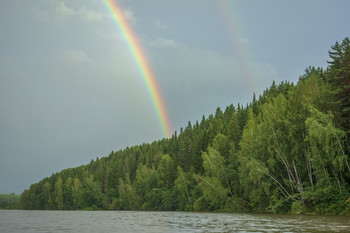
x,y
9,201
286,151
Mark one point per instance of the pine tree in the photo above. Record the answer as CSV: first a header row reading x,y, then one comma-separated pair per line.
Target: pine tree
x,y
339,80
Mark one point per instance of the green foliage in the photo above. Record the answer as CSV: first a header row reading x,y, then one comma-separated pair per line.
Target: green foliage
x,y
212,182
9,201
128,198
286,152
183,189
339,80
166,172
58,193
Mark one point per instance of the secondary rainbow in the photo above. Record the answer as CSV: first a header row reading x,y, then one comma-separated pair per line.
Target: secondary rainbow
x,y
230,16
142,64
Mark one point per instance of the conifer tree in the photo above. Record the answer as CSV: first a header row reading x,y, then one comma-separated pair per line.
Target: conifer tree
x,y
339,79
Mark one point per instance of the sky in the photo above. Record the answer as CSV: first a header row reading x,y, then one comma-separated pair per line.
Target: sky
x,y
71,91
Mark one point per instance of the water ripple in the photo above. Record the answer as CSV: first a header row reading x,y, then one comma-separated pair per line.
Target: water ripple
x,y
131,221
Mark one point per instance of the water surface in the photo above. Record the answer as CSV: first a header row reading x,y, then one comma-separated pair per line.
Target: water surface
x,y
131,221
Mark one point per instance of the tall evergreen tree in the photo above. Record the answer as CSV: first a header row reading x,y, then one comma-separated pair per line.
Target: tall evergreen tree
x,y
339,79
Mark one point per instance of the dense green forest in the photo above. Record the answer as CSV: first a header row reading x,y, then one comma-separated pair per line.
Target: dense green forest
x,y
285,152
9,201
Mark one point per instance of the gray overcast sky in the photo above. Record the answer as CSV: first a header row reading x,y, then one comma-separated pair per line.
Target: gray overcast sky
x,y
70,90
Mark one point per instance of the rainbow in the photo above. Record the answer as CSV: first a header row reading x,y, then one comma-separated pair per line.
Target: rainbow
x,y
142,64
229,15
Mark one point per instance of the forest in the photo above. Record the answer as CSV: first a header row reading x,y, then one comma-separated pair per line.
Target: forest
x,y
9,201
287,151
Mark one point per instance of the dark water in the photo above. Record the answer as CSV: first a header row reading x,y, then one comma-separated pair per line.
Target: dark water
x,y
130,221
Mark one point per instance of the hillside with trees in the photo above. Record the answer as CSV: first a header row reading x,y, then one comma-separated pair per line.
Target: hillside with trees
x,y
285,152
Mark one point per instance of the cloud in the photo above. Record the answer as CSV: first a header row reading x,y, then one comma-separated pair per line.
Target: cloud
x,y
61,13
160,25
63,10
74,56
129,15
90,15
109,35
163,43
51,12
45,16
244,40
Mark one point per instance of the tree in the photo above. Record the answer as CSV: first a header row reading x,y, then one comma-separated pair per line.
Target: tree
x,y
339,80
215,184
92,192
185,152
221,143
58,193
67,193
77,194
128,198
328,158
146,181
166,172
233,133
183,189
47,193
330,164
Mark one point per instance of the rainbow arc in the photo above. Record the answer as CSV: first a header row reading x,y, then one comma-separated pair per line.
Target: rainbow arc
x,y
142,64
230,18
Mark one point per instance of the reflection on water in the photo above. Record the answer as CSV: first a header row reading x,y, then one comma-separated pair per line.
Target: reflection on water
x,y
131,221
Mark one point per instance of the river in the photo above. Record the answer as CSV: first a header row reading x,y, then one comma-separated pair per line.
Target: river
x,y
132,221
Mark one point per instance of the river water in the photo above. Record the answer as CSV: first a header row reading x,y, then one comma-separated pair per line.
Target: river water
x,y
132,221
